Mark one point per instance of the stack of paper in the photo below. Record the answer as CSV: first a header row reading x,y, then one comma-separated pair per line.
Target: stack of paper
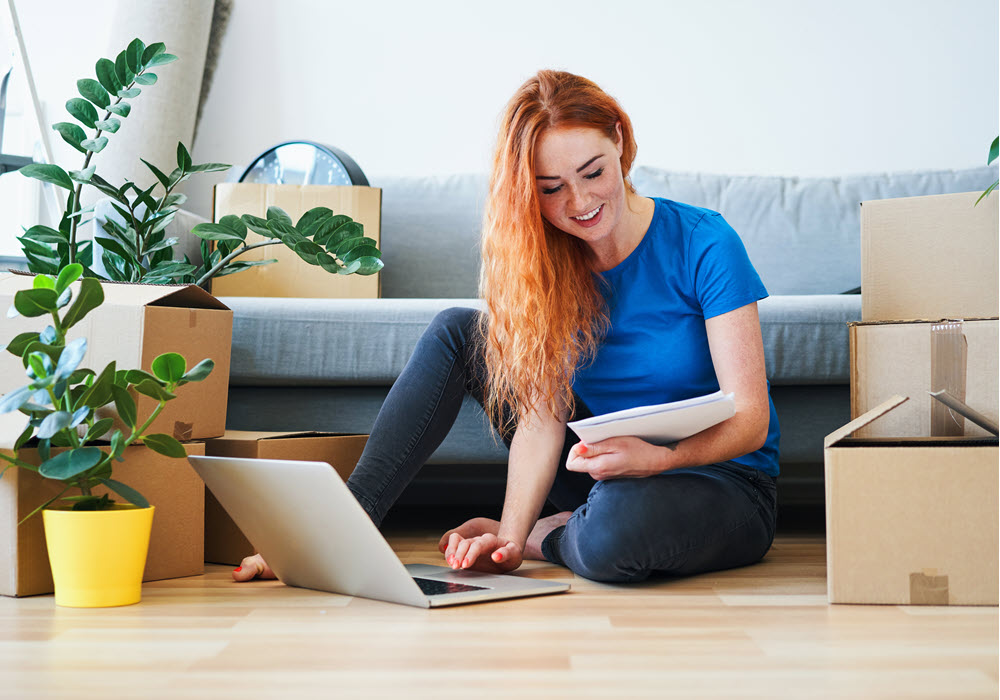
x,y
661,424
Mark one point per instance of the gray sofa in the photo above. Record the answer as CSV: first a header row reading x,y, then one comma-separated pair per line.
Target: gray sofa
x,y
302,364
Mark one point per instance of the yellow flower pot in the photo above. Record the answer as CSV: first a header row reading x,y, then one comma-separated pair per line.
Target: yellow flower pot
x,y
98,557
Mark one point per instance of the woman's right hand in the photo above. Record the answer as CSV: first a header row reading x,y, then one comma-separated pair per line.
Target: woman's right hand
x,y
251,568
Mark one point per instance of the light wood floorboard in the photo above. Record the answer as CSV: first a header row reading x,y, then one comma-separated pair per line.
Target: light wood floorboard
x,y
760,631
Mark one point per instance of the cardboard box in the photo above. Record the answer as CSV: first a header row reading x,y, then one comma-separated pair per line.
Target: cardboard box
x,y
224,542
910,521
914,358
176,544
135,324
292,276
929,258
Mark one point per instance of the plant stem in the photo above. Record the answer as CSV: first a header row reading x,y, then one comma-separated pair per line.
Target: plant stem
x,y
229,258
137,432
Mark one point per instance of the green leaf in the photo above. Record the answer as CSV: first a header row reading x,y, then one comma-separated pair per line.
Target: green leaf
x,y
83,176
71,133
199,372
100,392
328,227
987,192
118,445
350,269
307,250
13,400
67,276
160,59
20,342
137,376
257,225
46,234
129,93
146,79
84,112
157,172
210,168
311,219
125,405
70,359
35,302
68,464
110,125
43,282
53,423
48,173
165,445
98,429
105,70
994,150
362,251
278,214
90,296
94,91
285,232
369,266
126,492
169,367
96,145
124,73
133,55
154,390
152,50
349,244
183,157
216,232
234,224
122,109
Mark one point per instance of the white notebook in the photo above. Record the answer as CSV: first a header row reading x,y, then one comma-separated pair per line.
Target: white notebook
x,y
660,424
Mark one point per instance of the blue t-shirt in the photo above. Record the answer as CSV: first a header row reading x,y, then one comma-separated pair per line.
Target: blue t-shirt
x,y
690,266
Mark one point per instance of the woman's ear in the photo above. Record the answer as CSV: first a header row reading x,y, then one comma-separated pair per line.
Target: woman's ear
x,y
619,141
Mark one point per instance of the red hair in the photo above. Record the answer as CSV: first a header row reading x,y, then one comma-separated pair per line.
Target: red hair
x,y
545,313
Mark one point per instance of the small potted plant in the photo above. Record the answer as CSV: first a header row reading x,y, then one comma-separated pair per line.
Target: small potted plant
x,y
134,247
97,546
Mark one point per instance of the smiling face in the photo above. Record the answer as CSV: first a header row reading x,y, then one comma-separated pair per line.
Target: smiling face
x,y
579,182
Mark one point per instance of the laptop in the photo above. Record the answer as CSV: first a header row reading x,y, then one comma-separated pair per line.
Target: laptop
x,y
314,534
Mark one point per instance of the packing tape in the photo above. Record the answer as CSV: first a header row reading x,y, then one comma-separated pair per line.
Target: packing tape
x,y
183,431
949,357
928,588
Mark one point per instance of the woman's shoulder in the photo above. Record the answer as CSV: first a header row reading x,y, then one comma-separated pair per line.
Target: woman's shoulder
x,y
685,218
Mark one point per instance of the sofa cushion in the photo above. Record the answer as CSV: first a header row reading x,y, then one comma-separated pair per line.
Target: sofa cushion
x,y
802,234
344,342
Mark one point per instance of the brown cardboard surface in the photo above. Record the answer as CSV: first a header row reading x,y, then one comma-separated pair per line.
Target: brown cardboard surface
x,y
176,545
224,542
897,358
929,257
911,521
136,323
291,276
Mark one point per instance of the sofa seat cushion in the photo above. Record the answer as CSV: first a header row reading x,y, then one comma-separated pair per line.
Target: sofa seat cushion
x,y
345,342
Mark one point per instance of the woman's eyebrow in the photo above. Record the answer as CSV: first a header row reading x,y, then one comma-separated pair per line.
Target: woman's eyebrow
x,y
581,168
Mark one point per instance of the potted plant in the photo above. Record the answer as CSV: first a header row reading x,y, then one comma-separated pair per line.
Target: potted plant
x,y
97,547
135,247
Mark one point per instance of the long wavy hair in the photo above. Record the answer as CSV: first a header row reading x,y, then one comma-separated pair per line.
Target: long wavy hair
x,y
545,314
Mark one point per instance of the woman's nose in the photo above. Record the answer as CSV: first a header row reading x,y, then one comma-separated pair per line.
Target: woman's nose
x,y
577,200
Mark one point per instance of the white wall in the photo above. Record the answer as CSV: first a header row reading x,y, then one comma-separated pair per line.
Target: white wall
x,y
791,87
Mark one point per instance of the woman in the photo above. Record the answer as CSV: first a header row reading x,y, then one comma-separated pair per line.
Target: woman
x,y
597,299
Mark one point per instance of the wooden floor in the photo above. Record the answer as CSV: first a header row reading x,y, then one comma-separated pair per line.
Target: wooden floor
x,y
765,630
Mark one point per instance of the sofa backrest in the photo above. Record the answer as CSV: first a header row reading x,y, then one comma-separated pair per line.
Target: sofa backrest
x,y
802,234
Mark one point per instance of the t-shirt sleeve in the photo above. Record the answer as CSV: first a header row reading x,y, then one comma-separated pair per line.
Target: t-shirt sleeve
x,y
722,275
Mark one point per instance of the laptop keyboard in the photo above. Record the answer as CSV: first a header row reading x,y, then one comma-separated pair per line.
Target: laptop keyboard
x,y
432,587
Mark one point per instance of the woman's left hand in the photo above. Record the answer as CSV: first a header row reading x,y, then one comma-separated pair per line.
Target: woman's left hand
x,y
617,457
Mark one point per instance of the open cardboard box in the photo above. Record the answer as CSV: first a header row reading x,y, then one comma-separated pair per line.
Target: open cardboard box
x,y
135,324
910,520
225,543
176,544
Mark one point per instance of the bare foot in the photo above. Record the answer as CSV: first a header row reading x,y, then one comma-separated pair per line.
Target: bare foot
x,y
251,568
469,529
533,547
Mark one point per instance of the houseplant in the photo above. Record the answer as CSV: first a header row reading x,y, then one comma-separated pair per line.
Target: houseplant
x,y
135,248
77,444
993,154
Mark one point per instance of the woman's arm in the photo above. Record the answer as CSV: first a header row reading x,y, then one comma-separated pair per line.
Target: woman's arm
x,y
734,340
534,457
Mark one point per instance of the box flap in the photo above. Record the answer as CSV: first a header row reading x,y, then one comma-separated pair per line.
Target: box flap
x,y
251,435
178,295
862,421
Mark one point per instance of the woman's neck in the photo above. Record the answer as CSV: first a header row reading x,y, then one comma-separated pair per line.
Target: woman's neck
x,y
636,218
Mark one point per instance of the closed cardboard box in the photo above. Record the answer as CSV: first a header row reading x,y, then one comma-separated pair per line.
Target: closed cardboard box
x,y
176,544
135,324
292,276
224,542
915,358
910,521
929,257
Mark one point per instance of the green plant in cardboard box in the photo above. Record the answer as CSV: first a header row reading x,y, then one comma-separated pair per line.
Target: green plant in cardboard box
x,y
994,152
62,400
135,248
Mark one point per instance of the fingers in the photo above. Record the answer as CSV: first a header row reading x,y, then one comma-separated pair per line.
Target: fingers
x,y
252,567
504,553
